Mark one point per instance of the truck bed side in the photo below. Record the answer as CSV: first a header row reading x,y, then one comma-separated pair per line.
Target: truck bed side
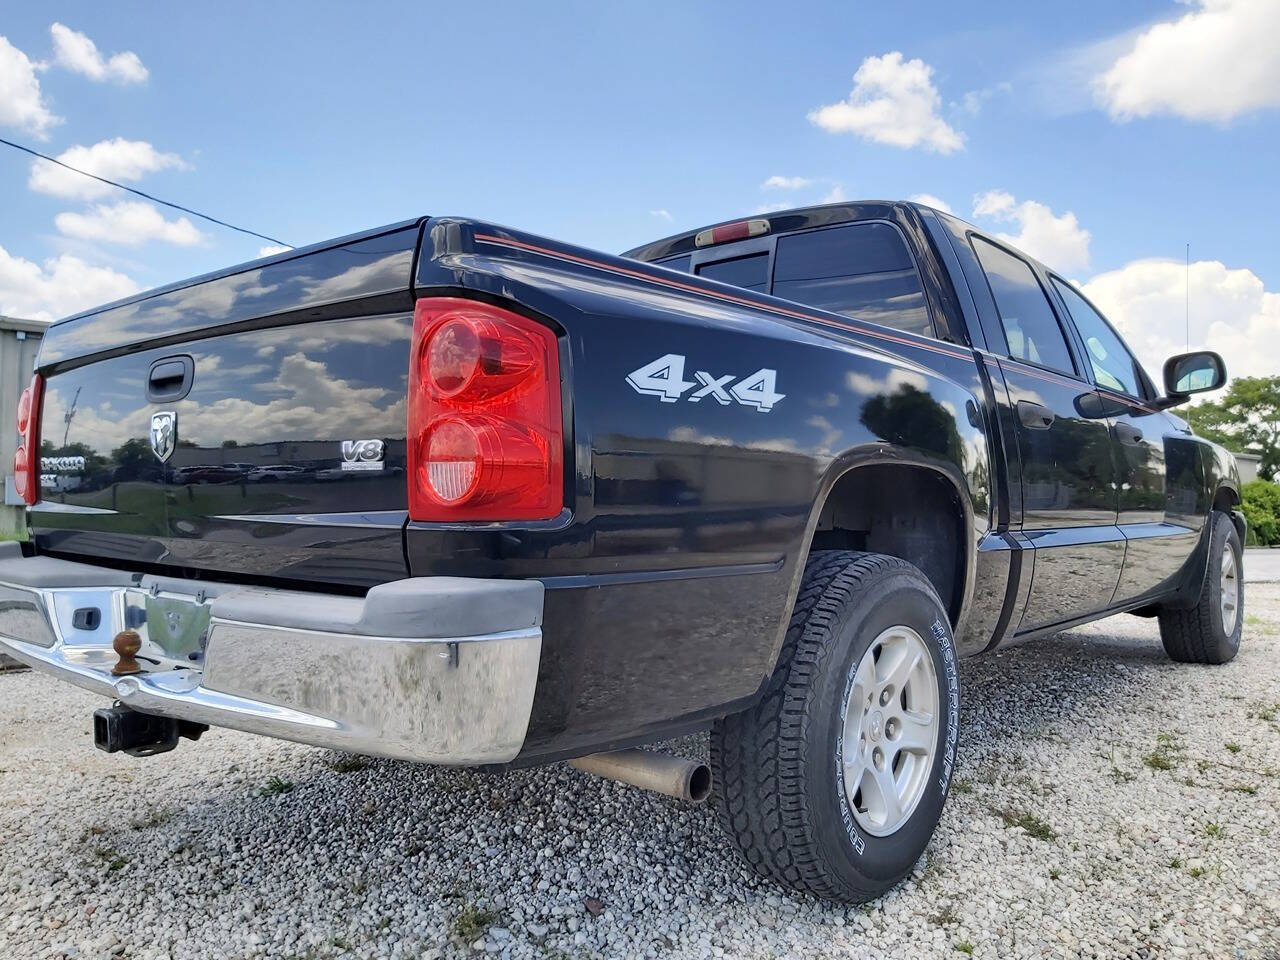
x,y
670,587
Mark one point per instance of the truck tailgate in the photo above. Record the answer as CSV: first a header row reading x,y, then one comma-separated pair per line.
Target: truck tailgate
x,y
283,457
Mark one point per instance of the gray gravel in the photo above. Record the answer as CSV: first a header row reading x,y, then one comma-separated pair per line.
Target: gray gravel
x,y
1109,803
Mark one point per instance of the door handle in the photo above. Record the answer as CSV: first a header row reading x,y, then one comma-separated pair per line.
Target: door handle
x,y
170,379
1035,416
1128,433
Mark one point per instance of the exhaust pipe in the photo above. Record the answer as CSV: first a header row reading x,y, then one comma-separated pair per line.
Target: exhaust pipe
x,y
660,772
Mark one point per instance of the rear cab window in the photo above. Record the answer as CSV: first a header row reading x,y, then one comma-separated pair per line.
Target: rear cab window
x,y
863,270
751,271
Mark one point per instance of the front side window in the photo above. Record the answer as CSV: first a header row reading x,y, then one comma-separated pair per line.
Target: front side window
x,y
860,270
1030,326
1113,365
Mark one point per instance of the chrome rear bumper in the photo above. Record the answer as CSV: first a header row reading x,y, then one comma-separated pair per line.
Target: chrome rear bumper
x,y
434,669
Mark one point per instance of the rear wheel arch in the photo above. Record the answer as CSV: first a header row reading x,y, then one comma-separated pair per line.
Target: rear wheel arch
x,y
899,508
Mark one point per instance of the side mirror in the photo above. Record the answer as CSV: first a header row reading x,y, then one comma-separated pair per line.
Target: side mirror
x,y
1189,373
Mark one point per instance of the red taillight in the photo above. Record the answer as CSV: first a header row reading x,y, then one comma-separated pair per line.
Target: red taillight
x,y
26,459
24,411
485,435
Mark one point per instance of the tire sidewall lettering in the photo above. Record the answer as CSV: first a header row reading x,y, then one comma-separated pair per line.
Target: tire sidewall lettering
x,y
941,645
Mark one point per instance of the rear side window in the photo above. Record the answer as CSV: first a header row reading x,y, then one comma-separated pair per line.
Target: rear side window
x,y
861,270
676,263
1030,326
751,272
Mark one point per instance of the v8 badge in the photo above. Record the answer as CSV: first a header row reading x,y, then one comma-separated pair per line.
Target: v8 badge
x,y
363,454
664,378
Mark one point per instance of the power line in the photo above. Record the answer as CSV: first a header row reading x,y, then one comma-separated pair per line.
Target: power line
x,y
147,196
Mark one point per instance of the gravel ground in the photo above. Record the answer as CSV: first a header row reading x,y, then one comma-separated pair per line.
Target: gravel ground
x,y
1109,803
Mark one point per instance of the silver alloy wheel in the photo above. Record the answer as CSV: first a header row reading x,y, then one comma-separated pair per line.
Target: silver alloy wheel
x,y
890,730
1229,590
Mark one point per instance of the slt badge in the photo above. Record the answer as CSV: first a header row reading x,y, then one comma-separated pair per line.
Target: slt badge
x,y
164,434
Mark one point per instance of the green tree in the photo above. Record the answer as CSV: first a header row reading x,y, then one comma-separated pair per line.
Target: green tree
x,y
1246,417
1261,508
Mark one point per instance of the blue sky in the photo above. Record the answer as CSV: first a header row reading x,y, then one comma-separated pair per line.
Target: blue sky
x,y
1102,139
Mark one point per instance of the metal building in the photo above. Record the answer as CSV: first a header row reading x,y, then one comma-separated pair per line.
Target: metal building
x,y
19,341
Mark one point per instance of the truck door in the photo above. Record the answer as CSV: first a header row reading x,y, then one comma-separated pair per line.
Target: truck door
x,y
1069,500
1160,528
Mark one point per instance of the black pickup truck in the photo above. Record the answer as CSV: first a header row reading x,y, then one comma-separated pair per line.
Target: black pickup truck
x,y
457,494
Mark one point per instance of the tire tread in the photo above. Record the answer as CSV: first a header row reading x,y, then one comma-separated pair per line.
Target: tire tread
x,y
1193,635
758,759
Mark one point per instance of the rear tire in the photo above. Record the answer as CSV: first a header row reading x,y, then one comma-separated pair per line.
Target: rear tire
x,y
1210,631
807,779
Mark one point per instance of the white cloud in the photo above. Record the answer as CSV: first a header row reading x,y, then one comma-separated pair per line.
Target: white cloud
x,y
974,100
661,215
993,203
117,159
79,54
61,286
271,249
786,183
929,200
1212,63
130,222
1059,241
893,102
1232,312
773,207
22,104
835,195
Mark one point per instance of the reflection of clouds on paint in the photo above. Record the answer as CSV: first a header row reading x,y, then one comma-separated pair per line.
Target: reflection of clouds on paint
x,y
694,435
892,382
212,302
274,288
311,338
831,434
311,405
381,274
214,372
688,434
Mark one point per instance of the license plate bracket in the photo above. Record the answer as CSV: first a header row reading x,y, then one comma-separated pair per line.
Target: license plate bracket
x,y
174,628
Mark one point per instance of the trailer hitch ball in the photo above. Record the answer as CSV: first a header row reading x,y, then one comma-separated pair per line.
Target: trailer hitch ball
x,y
126,645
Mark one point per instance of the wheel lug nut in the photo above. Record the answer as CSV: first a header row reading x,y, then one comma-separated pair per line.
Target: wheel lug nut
x,y
886,695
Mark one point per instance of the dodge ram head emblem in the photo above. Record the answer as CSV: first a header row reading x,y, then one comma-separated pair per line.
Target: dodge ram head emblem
x,y
164,434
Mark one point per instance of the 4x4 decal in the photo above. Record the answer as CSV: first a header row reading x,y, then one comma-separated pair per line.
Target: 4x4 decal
x,y
664,378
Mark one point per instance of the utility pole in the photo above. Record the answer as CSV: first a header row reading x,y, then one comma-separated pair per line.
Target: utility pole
x,y
1188,305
